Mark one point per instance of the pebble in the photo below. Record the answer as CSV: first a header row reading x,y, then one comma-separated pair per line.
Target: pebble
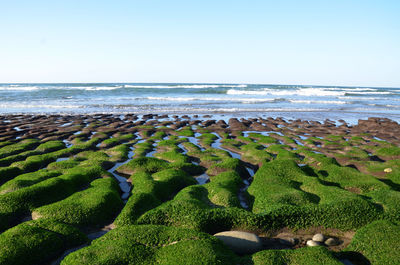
x,y
312,243
318,238
331,242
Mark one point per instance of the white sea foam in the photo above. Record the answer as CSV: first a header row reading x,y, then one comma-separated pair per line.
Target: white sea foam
x,y
96,88
184,86
369,93
34,106
384,105
299,91
67,87
350,88
318,102
19,88
231,99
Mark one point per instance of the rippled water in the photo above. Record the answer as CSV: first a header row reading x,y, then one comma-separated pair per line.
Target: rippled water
x,y
270,100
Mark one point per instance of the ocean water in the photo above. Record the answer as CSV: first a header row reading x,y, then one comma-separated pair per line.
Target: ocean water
x,y
289,101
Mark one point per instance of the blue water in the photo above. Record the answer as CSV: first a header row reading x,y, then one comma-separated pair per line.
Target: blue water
x,y
290,101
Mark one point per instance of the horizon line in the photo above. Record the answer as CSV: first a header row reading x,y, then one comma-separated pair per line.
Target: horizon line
x,y
203,83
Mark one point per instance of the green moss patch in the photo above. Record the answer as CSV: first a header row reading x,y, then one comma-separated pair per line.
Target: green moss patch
x,y
150,190
37,242
150,244
26,180
143,164
14,205
378,242
96,205
18,147
290,197
301,256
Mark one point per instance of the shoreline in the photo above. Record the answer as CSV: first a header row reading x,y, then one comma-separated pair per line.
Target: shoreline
x,y
349,117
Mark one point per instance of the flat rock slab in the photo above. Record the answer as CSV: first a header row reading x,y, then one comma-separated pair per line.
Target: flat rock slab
x,y
240,242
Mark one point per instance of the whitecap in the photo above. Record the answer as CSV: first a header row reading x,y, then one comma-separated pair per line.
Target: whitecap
x,y
299,91
20,88
32,106
186,86
318,102
370,93
231,99
96,88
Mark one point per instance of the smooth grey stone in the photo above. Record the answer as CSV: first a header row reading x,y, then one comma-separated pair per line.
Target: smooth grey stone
x,y
331,242
240,242
318,238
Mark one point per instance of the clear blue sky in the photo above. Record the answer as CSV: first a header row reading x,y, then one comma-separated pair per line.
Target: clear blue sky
x,y
286,42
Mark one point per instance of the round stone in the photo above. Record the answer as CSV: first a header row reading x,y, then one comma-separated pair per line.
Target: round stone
x,y
331,242
319,237
240,242
312,243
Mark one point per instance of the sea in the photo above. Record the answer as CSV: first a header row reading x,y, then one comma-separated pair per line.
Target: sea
x,y
220,100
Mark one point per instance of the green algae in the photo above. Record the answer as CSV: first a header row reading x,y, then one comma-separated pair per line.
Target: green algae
x,y
150,244
37,242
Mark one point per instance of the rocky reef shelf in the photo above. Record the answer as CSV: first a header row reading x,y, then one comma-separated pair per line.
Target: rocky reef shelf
x,y
159,189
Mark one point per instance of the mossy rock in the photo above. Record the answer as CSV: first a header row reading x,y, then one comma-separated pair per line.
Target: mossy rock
x,y
63,165
14,205
206,139
301,256
143,164
50,146
283,192
96,205
191,169
186,131
230,164
388,152
149,191
118,153
191,208
7,173
26,180
152,244
224,188
37,242
16,148
262,139
378,242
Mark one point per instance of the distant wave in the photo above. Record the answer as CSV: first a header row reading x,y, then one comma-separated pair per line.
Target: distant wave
x,y
195,97
34,106
370,93
100,88
319,102
233,110
54,87
183,86
19,88
300,92
259,100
